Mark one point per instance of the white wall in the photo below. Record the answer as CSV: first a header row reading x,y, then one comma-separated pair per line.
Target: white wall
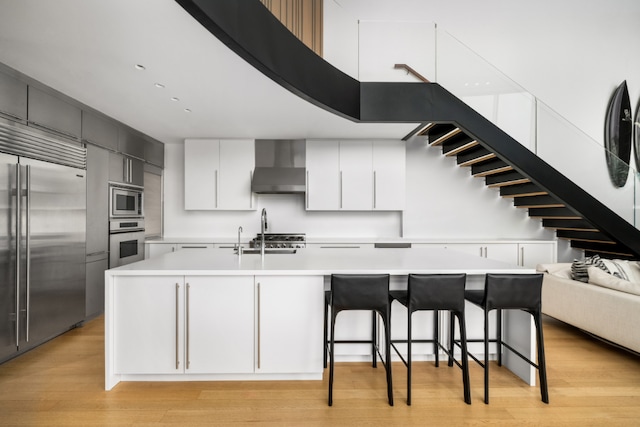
x,y
445,202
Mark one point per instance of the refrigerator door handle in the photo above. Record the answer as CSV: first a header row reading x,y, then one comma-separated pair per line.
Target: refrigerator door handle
x,y
28,247
18,195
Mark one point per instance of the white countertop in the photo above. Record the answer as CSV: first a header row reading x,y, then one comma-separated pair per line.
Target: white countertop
x,y
335,240
317,262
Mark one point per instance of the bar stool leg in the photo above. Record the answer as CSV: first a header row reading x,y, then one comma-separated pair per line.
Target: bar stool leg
x,y
465,357
387,330
409,336
452,337
499,336
542,365
436,337
374,330
486,357
331,355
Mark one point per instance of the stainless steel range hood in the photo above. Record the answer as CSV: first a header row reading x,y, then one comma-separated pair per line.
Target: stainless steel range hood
x,y
280,166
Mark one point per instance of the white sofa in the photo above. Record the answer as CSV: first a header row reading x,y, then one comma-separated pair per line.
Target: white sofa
x,y
607,307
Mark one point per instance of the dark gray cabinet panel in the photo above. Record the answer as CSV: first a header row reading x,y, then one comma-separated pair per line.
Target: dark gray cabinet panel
x,y
131,143
117,167
54,114
154,153
13,97
126,170
136,172
94,297
99,130
97,200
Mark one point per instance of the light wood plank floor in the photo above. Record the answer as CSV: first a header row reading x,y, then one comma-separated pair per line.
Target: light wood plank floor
x,y
62,384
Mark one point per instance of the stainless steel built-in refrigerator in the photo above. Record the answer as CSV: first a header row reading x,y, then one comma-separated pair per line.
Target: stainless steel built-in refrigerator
x,y
42,250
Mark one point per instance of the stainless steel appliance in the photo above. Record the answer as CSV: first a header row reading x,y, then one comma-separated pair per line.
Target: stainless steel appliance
x,y
125,202
42,239
280,166
126,241
280,241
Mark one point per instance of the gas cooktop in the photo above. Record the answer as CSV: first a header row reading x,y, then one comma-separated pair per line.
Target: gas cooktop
x,y
280,240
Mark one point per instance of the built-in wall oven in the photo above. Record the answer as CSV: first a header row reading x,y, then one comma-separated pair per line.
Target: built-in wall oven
x,y
125,202
126,241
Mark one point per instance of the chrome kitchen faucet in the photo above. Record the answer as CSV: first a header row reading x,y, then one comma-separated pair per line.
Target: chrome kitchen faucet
x,y
263,228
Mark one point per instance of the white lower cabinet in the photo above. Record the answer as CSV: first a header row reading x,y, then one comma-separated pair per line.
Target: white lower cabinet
x,y
525,254
149,325
218,325
505,252
289,323
153,250
531,254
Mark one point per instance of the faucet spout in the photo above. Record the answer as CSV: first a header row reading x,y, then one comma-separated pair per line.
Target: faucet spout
x,y
263,227
239,247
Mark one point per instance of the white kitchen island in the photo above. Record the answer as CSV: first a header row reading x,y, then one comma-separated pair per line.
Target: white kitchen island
x,y
199,315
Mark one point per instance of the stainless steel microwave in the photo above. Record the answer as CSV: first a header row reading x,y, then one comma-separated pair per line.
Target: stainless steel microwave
x,y
125,202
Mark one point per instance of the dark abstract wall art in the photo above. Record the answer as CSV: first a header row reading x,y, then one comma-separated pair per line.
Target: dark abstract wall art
x,y
617,135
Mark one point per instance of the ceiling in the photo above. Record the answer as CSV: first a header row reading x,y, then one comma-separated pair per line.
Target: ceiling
x,y
89,49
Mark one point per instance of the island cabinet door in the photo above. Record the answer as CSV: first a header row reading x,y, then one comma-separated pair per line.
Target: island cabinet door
x,y
219,330
149,325
289,324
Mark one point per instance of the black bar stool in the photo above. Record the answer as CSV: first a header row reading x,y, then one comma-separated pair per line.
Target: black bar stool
x,y
436,292
325,342
361,292
510,291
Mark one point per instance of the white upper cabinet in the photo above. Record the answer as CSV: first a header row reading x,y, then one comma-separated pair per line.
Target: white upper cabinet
x,y
323,176
389,175
355,175
237,161
217,174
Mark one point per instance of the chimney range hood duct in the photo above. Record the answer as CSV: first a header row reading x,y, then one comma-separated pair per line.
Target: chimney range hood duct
x,y
280,166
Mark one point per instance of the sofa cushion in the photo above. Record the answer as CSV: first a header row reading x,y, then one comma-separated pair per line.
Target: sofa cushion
x,y
623,269
559,269
600,278
579,268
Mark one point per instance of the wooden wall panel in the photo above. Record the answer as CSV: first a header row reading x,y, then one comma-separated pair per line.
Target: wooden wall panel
x,y
302,17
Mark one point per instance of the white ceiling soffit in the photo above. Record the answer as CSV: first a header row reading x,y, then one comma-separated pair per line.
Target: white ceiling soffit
x,y
88,50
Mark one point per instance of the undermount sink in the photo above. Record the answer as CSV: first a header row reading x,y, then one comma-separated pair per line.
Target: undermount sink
x,y
253,251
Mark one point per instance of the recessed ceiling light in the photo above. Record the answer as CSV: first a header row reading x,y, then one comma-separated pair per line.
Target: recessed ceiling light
x,y
175,99
140,67
159,85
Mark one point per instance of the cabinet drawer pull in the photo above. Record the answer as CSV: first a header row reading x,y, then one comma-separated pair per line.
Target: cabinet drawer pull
x,y
187,359
217,188
258,325
340,189
374,190
177,326
250,192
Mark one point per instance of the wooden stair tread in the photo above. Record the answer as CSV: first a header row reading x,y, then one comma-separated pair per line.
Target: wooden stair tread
x,y
444,137
475,160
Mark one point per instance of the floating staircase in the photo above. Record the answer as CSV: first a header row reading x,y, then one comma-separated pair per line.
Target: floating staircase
x,y
251,31
511,184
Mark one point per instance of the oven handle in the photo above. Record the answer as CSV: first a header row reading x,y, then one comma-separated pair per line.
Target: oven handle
x,y
129,230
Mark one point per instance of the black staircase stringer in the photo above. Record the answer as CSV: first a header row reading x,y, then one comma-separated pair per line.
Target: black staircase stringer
x,y
253,33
